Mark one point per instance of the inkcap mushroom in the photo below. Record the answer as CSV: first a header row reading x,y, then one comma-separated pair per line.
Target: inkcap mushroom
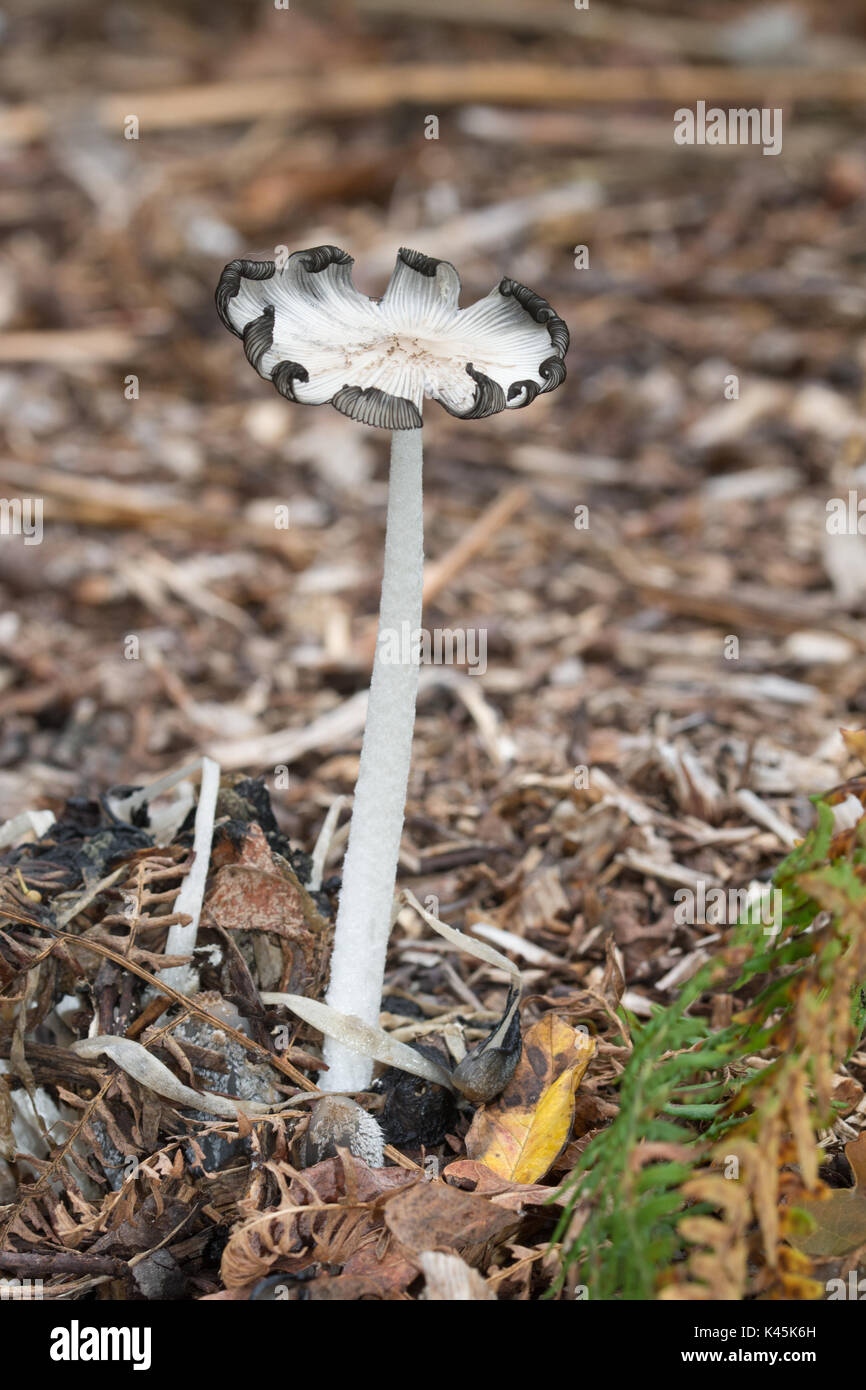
x,y
306,328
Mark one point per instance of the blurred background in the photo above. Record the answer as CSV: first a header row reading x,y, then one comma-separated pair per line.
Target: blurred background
x,y
694,639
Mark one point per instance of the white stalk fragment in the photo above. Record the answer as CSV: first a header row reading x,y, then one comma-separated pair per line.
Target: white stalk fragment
x,y
124,806
143,1067
370,867
367,1041
34,823
479,949
448,1279
181,939
165,820
323,844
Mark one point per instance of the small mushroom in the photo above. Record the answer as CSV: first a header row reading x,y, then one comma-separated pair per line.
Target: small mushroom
x,y
307,329
339,1122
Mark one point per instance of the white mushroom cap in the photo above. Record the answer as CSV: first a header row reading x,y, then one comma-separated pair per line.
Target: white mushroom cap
x,y
306,328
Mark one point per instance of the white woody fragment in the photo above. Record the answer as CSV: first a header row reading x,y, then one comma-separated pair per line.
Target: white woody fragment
x,y
763,814
143,1067
181,939
323,844
367,1039
27,824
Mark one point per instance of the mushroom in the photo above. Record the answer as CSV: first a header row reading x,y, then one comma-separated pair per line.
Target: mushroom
x,y
320,341
338,1122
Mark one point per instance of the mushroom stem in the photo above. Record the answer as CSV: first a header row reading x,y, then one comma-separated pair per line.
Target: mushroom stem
x,y
370,866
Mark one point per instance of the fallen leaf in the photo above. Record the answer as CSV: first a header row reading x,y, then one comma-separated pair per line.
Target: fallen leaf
x,y
855,742
391,1271
328,1179
520,1135
847,1094
253,892
505,1193
349,1288
432,1216
840,1218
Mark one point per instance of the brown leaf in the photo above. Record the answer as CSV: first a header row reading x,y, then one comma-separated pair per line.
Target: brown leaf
x,y
432,1216
392,1271
328,1180
505,1193
349,1288
840,1218
254,892
847,1093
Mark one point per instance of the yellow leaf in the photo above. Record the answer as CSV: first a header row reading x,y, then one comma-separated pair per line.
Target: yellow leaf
x,y
855,742
520,1135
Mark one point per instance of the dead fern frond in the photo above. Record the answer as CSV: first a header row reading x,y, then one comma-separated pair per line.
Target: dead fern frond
x,y
302,1229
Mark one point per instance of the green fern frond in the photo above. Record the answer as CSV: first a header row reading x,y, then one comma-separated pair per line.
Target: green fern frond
x,y
688,1086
